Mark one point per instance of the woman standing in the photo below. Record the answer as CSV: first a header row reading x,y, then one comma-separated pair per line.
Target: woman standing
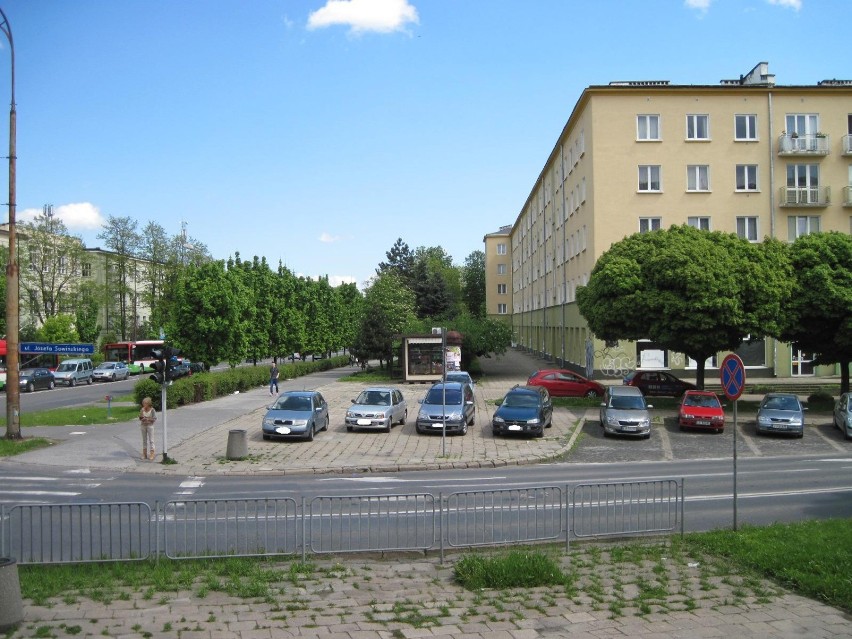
x,y
147,417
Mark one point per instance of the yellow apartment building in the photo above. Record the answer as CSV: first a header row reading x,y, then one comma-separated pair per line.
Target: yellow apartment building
x,y
745,156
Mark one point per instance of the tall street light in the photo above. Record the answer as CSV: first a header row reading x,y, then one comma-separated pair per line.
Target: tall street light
x,y
13,391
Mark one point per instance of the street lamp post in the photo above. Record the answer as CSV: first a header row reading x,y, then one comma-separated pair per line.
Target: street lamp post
x,y
13,391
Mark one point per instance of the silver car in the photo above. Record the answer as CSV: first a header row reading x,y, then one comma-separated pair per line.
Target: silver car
x,y
781,413
843,415
377,408
624,412
111,372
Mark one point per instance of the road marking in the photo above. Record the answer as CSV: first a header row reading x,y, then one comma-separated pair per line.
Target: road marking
x,y
189,485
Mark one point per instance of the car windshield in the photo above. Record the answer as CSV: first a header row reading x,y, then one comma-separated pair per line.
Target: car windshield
x,y
458,377
520,400
106,365
374,398
294,402
65,368
781,403
627,402
704,401
436,396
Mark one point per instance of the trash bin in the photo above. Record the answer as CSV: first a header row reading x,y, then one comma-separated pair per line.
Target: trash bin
x,y
11,607
237,445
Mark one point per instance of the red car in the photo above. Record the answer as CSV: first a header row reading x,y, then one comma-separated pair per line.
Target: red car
x,y
701,409
562,383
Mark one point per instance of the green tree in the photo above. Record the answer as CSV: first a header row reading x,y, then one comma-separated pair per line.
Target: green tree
x,y
389,307
818,316
473,284
206,314
52,257
400,261
287,322
482,337
351,305
122,239
86,314
59,329
691,291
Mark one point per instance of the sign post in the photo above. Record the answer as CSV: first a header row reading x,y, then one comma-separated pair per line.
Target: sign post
x,y
733,377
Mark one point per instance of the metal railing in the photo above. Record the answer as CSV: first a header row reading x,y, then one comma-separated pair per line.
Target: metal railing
x,y
195,528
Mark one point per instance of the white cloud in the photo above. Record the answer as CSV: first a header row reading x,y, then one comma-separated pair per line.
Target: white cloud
x,y
383,16
81,216
701,5
793,4
327,238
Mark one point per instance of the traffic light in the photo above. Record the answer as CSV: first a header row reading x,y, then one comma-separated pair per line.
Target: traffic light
x,y
158,366
171,354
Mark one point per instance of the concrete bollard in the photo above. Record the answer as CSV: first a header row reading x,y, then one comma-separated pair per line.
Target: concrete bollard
x,y
11,607
237,445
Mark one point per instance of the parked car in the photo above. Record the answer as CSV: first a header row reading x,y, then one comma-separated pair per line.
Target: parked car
x,y
180,370
31,379
459,410
562,383
460,376
525,410
843,415
701,410
110,372
659,383
625,412
196,367
74,371
781,413
296,415
379,407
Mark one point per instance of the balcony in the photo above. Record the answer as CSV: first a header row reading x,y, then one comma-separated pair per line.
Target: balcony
x,y
810,144
847,196
813,196
847,144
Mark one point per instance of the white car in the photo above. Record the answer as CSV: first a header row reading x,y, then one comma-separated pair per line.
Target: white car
x,y
378,407
111,372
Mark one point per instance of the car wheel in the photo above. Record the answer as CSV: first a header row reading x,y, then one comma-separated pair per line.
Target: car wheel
x,y
113,377
50,385
326,423
266,438
540,432
89,381
349,428
72,383
404,418
495,432
648,436
591,393
311,433
30,387
472,420
388,426
417,428
463,430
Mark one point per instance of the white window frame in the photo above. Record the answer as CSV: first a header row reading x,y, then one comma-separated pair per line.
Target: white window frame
x,y
501,269
647,172
747,227
700,222
648,224
698,178
501,289
749,121
742,181
648,127
501,248
800,225
502,309
694,124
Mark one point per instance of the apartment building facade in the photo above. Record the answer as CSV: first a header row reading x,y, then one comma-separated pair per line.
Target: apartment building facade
x,y
745,156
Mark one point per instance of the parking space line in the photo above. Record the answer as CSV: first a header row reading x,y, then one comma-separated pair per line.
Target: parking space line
x,y
835,445
748,439
666,442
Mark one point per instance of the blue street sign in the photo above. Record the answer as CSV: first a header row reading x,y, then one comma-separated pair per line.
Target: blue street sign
x,y
56,349
733,377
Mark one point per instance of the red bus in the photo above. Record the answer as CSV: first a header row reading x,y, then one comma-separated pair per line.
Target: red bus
x,y
140,352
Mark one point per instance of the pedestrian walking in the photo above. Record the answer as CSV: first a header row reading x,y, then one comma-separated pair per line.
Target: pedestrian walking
x,y
147,417
273,378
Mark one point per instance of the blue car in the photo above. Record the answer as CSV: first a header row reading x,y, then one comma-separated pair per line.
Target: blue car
x,y
296,415
525,410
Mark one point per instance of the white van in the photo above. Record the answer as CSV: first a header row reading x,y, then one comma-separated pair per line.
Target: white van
x,y
74,371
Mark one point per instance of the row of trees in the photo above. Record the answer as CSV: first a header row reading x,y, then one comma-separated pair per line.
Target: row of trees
x,y
699,293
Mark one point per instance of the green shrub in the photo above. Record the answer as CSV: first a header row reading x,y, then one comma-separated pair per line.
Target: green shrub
x,y
820,399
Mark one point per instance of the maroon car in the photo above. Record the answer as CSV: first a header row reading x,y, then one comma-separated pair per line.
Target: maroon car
x,y
658,383
562,383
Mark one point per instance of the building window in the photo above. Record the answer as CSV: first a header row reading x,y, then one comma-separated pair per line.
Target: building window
x,y
648,127
802,183
697,127
700,223
746,177
698,177
745,127
747,228
86,269
501,249
501,289
501,309
501,269
799,225
649,178
647,224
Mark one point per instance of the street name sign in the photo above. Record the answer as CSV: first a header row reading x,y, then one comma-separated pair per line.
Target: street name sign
x,y
56,349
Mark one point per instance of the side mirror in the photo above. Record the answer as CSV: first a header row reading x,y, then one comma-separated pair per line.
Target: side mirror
x,y
352,400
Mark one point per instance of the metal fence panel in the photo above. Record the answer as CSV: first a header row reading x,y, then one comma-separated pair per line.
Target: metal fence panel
x,y
493,517
625,508
73,533
230,527
371,523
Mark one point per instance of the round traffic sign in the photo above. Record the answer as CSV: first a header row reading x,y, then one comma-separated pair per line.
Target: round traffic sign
x,y
733,377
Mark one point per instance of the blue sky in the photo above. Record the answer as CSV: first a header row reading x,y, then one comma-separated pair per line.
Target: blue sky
x,y
316,132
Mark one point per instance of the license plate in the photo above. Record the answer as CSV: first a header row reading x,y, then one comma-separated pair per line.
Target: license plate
x,y
282,430
364,422
437,425
628,428
702,422
515,427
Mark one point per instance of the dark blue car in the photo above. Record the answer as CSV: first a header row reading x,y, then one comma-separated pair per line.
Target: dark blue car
x,y
525,410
